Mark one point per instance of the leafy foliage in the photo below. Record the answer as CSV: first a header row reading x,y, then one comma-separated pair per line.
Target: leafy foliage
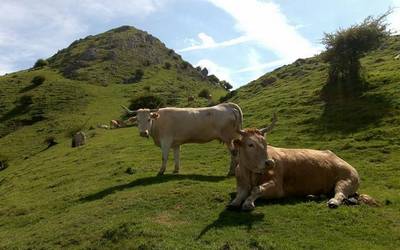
x,y
148,101
344,48
226,85
40,63
205,93
38,80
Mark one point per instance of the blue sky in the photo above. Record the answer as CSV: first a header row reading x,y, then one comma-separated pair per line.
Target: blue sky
x,y
238,40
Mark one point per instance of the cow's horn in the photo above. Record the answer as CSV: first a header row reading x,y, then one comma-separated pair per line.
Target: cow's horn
x,y
133,112
271,126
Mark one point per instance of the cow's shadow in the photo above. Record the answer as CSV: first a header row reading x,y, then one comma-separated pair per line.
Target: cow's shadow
x,y
150,181
235,217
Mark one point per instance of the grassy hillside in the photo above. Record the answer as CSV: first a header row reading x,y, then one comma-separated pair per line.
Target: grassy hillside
x,y
84,197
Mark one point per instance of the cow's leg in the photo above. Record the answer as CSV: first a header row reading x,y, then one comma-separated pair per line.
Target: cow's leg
x,y
234,159
343,189
176,159
241,195
267,190
165,146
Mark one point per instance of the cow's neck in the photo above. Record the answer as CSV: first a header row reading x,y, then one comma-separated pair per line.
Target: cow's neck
x,y
247,173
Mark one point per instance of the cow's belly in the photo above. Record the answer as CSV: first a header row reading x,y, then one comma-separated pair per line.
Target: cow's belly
x,y
309,183
196,137
193,139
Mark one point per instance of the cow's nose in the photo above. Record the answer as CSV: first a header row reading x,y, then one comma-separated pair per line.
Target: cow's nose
x,y
269,163
144,134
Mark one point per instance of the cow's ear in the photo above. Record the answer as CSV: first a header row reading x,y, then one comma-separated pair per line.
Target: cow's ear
x,y
237,143
154,115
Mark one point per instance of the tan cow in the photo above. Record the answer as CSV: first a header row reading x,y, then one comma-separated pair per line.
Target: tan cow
x,y
270,172
117,124
172,127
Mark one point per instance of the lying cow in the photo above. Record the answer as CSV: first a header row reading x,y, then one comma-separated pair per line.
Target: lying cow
x,y
117,124
172,127
270,172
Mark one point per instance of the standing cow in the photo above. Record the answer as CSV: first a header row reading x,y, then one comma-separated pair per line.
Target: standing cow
x,y
270,172
172,127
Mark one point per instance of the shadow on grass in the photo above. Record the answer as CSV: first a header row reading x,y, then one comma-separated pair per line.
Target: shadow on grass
x,y
150,181
16,111
29,87
351,115
235,217
231,218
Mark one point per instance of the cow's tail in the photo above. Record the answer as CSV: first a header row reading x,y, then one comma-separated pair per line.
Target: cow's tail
x,y
237,111
356,199
367,200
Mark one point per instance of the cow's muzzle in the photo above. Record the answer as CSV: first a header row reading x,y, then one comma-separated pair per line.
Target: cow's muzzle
x,y
144,134
269,163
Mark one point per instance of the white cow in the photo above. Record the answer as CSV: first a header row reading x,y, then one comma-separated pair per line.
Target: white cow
x,y
172,127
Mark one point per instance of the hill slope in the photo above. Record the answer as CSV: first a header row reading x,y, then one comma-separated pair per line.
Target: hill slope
x,y
85,198
88,81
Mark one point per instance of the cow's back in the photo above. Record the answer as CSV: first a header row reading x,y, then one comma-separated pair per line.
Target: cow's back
x,y
195,125
306,171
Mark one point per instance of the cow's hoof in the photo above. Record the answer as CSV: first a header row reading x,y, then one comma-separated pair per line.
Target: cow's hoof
x,y
248,206
160,173
175,172
332,203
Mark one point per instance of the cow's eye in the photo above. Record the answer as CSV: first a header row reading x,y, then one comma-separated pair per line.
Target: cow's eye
x,y
251,145
148,119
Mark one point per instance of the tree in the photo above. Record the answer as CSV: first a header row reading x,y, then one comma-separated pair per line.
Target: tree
x,y
38,80
226,85
344,48
205,93
40,63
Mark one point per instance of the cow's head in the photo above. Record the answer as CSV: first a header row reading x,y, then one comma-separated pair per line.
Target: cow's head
x,y
144,118
252,148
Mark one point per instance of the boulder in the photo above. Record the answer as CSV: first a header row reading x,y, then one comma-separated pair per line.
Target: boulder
x,y
78,139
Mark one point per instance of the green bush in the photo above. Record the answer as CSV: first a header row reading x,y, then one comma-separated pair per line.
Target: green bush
x,y
137,76
40,63
167,65
38,80
228,96
148,101
205,93
344,48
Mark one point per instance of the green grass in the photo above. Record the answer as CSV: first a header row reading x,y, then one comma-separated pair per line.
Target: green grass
x,y
82,198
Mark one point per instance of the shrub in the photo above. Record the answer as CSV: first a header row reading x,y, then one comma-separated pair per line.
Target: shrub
x,y
344,48
185,65
137,76
148,101
167,65
40,63
226,85
227,96
205,93
213,79
38,80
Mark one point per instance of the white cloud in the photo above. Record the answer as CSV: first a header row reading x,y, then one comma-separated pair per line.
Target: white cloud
x,y
264,23
259,67
207,42
394,18
214,69
36,29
